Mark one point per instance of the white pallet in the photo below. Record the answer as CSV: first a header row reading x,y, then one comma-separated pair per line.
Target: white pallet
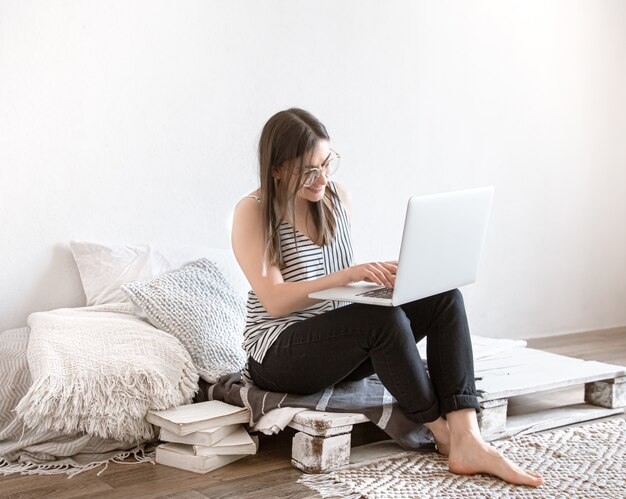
x,y
323,439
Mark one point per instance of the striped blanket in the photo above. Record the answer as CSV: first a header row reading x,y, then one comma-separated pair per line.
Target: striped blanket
x,y
367,396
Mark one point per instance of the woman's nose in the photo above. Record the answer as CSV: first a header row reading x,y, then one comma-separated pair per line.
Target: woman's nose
x,y
322,179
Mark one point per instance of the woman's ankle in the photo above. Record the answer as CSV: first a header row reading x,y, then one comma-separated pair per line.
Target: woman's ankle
x,y
460,439
463,424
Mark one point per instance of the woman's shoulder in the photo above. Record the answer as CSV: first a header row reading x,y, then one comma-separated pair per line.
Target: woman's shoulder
x,y
256,195
251,199
249,205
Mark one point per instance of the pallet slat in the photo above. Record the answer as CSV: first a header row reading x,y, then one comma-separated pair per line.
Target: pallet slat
x,y
531,371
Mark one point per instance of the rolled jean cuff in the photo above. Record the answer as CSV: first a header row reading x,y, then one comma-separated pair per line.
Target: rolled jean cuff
x,y
426,416
457,402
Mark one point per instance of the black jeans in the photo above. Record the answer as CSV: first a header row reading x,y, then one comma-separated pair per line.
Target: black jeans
x,y
356,341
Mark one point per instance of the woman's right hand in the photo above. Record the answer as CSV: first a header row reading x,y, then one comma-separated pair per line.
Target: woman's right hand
x,y
382,273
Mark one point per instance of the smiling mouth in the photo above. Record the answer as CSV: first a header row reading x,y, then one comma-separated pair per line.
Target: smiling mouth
x,y
316,189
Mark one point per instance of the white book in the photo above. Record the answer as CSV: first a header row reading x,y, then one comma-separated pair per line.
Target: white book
x,y
186,419
181,456
238,442
202,437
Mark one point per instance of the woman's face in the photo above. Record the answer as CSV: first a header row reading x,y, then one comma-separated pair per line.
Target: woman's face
x,y
316,159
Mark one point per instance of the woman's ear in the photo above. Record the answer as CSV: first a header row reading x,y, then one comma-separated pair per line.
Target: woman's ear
x,y
276,173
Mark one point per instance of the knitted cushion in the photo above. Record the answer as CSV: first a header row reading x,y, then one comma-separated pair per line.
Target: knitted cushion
x,y
197,305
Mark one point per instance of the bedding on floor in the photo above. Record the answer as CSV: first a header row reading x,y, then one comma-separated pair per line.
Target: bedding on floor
x,y
98,370
35,450
77,384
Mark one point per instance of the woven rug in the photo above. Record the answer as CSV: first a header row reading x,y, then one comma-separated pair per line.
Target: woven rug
x,y
585,461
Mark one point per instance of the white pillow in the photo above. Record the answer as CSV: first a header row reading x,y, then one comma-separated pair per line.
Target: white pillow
x,y
104,268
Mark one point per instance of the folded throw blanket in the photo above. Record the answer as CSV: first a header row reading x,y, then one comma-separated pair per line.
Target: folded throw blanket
x,y
98,370
367,396
34,451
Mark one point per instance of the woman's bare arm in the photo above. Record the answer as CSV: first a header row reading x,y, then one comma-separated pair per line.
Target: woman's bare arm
x,y
282,298
278,297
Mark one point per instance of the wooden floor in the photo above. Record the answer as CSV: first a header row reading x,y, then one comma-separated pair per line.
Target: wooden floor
x,y
269,472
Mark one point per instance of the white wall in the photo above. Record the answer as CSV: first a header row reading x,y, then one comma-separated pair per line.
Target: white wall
x,y
137,122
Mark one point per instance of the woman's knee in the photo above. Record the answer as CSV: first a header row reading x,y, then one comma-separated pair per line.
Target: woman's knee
x,y
377,322
454,298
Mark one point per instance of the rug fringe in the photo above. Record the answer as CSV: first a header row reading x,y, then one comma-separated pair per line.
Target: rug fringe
x,y
71,470
327,486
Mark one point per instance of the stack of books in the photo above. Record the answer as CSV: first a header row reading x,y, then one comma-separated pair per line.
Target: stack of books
x,y
202,437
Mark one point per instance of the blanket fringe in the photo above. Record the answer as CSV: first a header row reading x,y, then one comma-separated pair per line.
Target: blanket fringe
x,y
328,486
106,407
138,455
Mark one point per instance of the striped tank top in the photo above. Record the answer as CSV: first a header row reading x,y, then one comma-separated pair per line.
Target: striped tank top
x,y
308,261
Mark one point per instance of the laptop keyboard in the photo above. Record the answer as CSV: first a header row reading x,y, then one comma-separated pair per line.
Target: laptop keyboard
x,y
378,293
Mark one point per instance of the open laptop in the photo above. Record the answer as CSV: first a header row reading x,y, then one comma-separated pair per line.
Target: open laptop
x,y
442,242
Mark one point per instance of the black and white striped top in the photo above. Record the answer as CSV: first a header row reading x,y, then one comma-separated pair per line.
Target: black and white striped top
x,y
307,261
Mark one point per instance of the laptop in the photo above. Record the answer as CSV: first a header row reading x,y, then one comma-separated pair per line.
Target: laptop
x,y
442,243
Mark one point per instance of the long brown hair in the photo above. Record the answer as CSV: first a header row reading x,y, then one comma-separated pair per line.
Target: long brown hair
x,y
286,140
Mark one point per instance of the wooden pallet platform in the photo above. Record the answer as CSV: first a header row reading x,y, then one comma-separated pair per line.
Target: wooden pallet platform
x,y
323,439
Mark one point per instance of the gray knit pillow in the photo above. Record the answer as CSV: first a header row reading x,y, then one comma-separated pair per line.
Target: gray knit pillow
x,y
197,305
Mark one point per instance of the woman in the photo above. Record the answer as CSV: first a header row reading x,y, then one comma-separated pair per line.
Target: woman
x,y
291,238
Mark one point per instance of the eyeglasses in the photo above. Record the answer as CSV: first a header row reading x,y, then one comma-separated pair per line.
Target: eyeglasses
x,y
329,167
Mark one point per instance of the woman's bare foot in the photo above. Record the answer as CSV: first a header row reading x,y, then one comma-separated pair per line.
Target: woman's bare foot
x,y
470,455
441,432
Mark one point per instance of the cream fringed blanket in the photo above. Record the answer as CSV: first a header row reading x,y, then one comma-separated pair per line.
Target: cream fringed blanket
x,y
97,370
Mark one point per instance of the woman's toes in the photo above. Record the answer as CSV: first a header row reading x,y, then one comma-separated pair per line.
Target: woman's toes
x,y
532,478
533,473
